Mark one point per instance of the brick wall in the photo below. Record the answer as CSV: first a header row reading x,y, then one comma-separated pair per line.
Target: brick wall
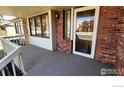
x,y
110,34
25,27
62,44
120,54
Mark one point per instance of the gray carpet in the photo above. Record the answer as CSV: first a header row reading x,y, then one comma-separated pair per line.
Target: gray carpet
x,y
42,62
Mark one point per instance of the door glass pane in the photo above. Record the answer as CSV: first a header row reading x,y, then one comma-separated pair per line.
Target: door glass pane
x,y
45,26
32,26
38,25
84,31
67,24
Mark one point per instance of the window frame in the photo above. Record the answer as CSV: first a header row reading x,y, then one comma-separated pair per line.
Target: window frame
x,y
38,35
47,24
30,26
18,27
65,26
41,28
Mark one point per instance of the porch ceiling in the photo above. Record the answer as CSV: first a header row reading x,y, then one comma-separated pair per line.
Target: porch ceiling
x,y
25,11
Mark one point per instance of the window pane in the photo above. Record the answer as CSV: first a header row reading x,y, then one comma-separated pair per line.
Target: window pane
x,y
22,30
19,27
85,21
32,26
67,24
84,31
45,25
38,25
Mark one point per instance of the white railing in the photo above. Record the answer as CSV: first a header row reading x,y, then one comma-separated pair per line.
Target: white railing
x,y
18,39
13,56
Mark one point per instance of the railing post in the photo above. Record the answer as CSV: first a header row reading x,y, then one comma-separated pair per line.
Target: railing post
x,y
16,40
21,63
23,41
13,68
3,72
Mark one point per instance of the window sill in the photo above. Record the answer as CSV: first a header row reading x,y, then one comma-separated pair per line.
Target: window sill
x,y
39,36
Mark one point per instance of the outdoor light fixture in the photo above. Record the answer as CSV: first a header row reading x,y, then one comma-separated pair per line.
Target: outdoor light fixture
x,y
57,15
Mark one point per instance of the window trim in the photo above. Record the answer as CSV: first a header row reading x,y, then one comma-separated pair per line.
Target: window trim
x,y
30,26
41,24
40,35
18,27
34,17
65,26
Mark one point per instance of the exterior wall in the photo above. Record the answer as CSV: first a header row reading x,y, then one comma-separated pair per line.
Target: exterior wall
x,y
110,36
43,42
62,44
120,53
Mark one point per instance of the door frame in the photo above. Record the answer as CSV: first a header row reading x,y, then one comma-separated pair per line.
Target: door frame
x,y
96,19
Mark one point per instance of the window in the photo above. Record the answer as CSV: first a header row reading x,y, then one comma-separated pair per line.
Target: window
x,y
19,27
32,26
67,24
39,25
45,30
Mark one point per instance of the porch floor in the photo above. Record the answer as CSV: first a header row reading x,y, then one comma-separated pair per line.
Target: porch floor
x,y
42,62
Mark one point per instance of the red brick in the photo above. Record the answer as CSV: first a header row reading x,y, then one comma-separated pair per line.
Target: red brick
x,y
110,39
62,45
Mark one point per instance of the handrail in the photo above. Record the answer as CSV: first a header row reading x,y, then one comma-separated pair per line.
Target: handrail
x,y
18,39
18,35
8,46
13,56
5,60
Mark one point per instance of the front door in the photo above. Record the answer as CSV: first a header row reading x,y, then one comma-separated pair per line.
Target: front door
x,y
85,31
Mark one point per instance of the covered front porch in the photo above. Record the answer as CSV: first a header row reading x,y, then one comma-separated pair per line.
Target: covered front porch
x,y
42,62
44,28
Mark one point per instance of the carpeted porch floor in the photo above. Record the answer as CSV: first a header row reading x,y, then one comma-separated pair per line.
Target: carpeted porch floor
x,y
42,62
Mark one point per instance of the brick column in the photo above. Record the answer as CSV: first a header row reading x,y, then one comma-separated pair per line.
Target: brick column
x,y
25,28
62,44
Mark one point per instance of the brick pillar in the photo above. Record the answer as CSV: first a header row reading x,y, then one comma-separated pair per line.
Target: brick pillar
x,y
25,28
62,44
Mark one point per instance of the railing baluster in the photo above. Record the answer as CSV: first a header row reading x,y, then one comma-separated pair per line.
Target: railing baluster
x,y
21,63
9,39
22,41
16,40
13,68
19,40
3,72
16,51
